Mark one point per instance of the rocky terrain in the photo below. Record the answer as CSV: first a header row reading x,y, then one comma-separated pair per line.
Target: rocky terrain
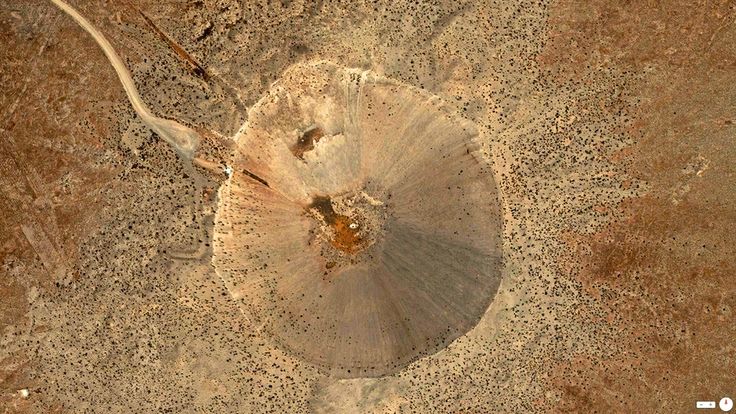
x,y
607,132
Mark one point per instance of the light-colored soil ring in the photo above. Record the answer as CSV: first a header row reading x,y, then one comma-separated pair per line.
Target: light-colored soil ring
x,y
371,246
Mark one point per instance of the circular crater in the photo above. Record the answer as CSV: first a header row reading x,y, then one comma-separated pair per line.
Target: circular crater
x,y
361,226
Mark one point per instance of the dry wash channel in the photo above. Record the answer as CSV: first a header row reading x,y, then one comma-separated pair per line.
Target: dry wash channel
x,y
361,225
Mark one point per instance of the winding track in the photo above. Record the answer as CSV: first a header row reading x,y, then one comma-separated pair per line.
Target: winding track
x,y
184,139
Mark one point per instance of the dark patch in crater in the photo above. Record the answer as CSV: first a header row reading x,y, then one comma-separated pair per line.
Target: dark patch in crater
x,y
306,142
255,177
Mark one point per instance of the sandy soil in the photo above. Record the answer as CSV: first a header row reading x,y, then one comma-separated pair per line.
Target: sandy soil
x,y
608,126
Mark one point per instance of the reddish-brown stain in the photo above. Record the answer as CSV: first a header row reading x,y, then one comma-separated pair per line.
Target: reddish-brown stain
x,y
660,277
344,237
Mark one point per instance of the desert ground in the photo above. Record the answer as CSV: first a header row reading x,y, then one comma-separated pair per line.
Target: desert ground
x,y
367,206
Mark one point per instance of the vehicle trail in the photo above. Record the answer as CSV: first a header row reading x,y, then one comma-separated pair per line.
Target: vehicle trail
x,y
184,139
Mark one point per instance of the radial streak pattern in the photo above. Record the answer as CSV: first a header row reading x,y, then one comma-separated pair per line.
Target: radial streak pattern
x,y
361,226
